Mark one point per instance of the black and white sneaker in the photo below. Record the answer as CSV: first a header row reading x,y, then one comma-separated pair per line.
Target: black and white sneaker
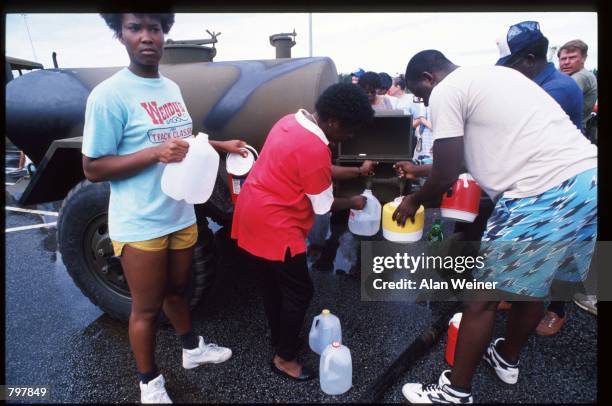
x,y
440,392
508,373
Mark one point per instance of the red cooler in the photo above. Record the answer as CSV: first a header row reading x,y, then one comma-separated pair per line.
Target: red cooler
x,y
451,340
461,201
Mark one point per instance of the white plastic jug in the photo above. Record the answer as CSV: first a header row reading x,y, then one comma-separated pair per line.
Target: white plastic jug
x,y
192,179
324,331
367,221
336,369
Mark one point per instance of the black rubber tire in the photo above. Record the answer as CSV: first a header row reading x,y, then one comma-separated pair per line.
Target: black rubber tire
x,y
83,214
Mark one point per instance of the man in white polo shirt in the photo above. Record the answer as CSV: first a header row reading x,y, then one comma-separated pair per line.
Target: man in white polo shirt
x,y
527,155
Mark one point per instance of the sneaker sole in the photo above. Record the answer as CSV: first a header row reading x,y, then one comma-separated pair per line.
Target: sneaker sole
x,y
416,401
585,308
195,365
513,382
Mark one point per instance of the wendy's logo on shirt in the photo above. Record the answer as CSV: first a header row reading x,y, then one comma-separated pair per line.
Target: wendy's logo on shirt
x,y
168,113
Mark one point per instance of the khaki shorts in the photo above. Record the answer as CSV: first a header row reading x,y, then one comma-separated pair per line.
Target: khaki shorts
x,y
178,240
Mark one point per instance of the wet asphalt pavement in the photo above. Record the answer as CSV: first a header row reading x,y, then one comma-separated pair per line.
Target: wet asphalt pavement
x,y
54,336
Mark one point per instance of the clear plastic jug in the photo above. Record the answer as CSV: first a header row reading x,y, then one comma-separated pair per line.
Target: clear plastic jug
x,y
324,331
192,179
367,221
336,369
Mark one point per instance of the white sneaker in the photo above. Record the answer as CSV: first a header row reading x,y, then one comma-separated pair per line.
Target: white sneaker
x,y
508,373
205,354
154,391
440,392
444,380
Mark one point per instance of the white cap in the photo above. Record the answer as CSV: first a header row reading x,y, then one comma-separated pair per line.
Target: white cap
x,y
502,45
238,165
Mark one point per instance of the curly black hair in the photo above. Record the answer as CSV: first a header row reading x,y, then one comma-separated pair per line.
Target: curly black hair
x,y
114,21
370,79
346,102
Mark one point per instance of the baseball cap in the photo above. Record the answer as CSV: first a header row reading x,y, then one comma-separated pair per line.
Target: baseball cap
x,y
519,37
358,72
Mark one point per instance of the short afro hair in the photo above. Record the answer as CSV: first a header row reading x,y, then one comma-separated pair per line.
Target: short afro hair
x,y
385,80
346,102
370,79
114,21
425,61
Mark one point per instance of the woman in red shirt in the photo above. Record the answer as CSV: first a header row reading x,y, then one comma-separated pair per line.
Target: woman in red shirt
x,y
290,183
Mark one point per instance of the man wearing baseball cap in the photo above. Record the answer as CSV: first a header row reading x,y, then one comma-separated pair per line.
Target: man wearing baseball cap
x,y
524,49
356,75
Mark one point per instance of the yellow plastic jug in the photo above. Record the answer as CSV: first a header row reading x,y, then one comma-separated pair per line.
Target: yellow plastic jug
x,y
410,232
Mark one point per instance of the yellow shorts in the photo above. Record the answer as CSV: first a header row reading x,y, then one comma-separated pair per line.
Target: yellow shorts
x,y
178,240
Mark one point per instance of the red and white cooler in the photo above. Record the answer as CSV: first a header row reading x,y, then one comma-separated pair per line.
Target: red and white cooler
x,y
461,201
451,340
238,168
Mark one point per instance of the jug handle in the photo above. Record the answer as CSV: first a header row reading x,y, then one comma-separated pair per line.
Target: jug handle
x,y
315,321
326,363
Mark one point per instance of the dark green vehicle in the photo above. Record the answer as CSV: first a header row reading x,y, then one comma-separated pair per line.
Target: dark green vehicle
x,y
227,100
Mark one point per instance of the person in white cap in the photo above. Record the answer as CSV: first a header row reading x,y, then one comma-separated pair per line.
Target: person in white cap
x,y
528,56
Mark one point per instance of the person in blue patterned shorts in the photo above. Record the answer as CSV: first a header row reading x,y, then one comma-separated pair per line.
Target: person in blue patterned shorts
x,y
563,220
532,161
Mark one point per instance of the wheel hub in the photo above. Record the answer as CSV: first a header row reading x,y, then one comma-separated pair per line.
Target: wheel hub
x,y
100,256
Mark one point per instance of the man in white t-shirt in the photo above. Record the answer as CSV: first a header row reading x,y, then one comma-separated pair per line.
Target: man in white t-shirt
x,y
527,155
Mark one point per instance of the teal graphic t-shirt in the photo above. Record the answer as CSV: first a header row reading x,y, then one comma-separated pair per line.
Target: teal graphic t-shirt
x,y
125,114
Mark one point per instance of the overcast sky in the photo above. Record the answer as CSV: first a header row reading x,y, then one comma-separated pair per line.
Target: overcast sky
x,y
372,41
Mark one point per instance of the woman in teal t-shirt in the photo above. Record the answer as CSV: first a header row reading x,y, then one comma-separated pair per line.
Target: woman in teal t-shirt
x,y
134,124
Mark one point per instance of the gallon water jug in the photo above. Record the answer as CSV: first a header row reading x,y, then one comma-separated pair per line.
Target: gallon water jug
x,y
336,369
461,202
367,221
192,179
410,232
324,331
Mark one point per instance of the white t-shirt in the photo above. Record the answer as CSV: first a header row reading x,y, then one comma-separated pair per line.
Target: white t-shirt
x,y
385,102
518,141
405,102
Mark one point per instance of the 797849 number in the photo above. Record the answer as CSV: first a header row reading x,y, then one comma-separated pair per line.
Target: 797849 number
x,y
10,392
